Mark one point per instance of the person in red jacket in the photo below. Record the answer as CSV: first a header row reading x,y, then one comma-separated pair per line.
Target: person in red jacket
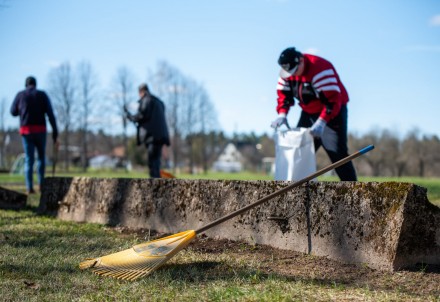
x,y
315,84
32,106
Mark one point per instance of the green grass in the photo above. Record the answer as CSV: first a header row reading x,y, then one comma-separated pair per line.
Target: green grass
x,y
432,184
39,259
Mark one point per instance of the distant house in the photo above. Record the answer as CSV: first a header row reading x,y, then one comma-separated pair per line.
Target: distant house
x,y
230,160
115,159
103,162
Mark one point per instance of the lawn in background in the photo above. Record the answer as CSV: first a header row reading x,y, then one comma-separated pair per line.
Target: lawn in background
x,y
431,184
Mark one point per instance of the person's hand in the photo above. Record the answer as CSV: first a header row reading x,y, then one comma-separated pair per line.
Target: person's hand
x,y
127,113
318,127
56,144
281,120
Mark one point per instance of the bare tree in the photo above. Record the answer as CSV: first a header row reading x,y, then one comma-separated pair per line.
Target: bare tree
x,y
432,151
189,121
374,159
428,157
207,116
124,83
390,145
62,91
87,83
2,133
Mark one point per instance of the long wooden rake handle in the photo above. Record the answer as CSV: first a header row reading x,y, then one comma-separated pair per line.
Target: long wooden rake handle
x,y
284,190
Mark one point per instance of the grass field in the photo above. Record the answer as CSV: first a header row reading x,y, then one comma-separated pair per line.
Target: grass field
x,y
40,255
431,184
39,259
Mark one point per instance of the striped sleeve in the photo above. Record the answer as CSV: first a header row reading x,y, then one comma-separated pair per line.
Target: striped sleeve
x,y
327,84
326,81
285,97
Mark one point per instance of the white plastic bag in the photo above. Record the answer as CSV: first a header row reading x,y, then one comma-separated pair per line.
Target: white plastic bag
x,y
294,154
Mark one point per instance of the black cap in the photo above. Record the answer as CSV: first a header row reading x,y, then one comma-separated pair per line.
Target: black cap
x,y
289,61
143,87
30,81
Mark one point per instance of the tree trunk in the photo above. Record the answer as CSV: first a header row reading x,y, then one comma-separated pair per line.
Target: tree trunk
x,y
125,142
421,168
84,150
190,155
204,154
66,148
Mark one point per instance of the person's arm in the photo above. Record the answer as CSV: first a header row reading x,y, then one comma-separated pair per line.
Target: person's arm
x,y
328,86
144,112
51,116
15,110
284,102
285,97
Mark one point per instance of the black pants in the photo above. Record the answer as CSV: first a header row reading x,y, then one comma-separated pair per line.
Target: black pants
x,y
154,157
345,172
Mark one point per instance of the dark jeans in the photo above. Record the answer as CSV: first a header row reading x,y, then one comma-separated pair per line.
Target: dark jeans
x,y
30,143
154,157
345,172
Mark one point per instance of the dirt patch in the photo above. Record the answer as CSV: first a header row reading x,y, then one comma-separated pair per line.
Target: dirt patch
x,y
418,281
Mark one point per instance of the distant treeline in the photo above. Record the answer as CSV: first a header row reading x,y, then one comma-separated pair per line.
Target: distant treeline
x,y
413,155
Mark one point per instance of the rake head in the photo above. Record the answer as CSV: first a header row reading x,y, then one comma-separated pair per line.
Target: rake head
x,y
141,259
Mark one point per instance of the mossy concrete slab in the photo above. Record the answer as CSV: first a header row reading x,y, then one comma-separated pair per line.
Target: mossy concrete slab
x,y
386,226
12,200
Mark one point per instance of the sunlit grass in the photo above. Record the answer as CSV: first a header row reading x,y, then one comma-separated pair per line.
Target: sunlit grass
x,y
39,259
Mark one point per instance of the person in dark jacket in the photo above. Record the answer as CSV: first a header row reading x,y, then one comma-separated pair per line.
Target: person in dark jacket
x,y
32,106
152,129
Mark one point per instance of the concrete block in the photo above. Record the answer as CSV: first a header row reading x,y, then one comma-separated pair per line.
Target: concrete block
x,y
387,226
12,200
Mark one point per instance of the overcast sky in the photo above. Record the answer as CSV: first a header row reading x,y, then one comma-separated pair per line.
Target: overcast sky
x,y
387,53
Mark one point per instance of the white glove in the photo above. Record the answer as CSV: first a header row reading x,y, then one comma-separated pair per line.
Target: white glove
x,y
328,136
318,127
281,120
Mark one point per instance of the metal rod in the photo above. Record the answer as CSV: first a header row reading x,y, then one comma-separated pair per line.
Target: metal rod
x,y
284,190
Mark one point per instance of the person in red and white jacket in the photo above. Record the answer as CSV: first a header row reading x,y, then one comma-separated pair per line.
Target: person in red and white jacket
x,y
315,84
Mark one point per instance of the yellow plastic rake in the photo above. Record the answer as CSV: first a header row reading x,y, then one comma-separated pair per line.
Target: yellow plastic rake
x,y
142,259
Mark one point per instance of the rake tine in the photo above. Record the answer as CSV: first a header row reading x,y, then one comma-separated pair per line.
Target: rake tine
x,y
100,270
141,274
133,275
121,275
106,273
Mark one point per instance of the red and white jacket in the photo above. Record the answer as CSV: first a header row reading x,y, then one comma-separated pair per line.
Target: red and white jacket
x,y
318,90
